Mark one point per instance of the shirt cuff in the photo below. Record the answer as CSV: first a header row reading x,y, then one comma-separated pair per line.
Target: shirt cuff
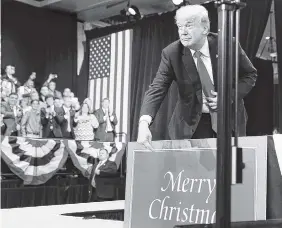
x,y
146,118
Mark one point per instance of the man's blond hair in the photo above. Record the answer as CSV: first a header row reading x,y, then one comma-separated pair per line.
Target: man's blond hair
x,y
198,12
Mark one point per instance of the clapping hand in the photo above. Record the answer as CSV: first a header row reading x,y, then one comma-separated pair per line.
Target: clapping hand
x,y
97,172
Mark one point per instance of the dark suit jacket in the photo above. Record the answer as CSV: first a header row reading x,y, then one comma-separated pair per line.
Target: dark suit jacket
x,y
3,128
177,64
106,169
103,187
100,132
9,119
56,122
64,125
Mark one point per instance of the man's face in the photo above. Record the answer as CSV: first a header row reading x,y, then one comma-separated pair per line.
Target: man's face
x,y
34,96
44,91
191,31
52,86
50,101
24,101
106,104
103,155
10,70
57,103
33,76
35,105
13,99
30,84
67,92
67,102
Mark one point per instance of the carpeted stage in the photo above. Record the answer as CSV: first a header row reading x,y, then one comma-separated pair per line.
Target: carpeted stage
x,y
53,216
109,214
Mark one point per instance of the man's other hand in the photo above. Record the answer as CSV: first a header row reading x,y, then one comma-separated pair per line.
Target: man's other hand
x,y
145,135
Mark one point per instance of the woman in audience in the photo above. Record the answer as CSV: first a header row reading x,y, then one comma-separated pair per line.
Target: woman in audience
x,y
85,123
24,103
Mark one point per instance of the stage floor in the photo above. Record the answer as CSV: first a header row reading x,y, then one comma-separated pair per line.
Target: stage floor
x,y
51,216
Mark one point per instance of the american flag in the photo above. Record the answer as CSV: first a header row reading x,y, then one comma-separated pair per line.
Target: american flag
x,y
109,75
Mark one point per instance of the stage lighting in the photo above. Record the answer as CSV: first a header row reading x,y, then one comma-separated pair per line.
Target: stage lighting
x,y
132,12
177,2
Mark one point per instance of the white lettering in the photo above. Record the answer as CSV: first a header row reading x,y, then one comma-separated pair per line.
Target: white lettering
x,y
173,183
211,189
150,209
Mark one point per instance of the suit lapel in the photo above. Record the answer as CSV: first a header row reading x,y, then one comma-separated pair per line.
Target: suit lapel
x,y
192,72
214,56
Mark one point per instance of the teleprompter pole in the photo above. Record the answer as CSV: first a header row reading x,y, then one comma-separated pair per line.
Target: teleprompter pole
x,y
226,75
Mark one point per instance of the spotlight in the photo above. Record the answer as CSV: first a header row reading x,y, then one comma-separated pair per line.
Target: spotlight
x,y
178,2
132,12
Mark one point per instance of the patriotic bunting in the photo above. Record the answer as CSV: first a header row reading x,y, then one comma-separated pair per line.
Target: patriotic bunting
x,y
35,161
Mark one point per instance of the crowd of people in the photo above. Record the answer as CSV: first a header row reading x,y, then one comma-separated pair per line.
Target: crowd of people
x,y
50,113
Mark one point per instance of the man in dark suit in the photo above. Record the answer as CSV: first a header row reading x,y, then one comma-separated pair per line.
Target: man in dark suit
x,y
191,62
103,168
12,115
107,122
68,114
51,119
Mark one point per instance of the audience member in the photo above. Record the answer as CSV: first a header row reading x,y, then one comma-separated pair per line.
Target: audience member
x,y
44,91
12,115
276,131
67,124
75,104
104,167
51,119
9,83
58,102
85,123
30,124
107,121
25,103
28,86
67,92
51,84
3,125
34,95
4,97
72,95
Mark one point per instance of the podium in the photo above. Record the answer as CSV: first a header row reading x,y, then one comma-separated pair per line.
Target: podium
x,y
175,185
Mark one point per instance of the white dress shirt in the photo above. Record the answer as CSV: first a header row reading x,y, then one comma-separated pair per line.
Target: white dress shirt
x,y
67,117
207,61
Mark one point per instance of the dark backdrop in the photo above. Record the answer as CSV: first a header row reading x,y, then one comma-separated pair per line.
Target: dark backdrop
x,y
35,39
258,102
278,19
